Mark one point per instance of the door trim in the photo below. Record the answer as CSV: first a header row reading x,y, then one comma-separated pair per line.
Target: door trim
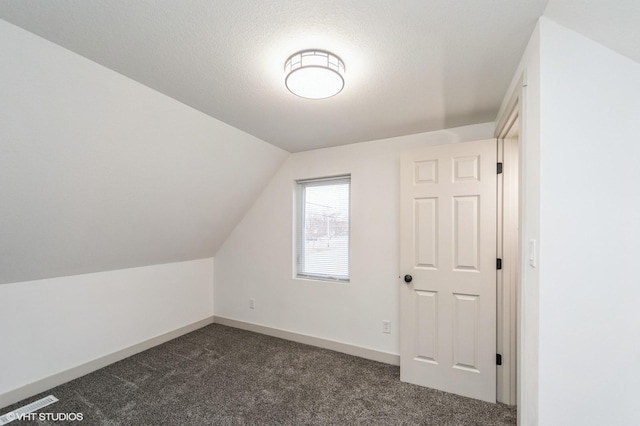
x,y
516,107
508,246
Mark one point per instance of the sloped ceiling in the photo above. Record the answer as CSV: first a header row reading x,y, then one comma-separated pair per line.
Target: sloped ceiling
x,y
411,65
98,172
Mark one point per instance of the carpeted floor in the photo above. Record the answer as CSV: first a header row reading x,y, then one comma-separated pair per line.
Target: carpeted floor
x,y
224,376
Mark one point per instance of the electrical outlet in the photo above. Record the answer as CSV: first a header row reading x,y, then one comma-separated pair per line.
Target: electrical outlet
x,y
386,327
252,303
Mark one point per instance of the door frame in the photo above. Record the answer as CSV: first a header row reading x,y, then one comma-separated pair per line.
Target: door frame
x,y
513,109
508,249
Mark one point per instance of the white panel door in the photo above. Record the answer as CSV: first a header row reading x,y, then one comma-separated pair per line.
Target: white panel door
x,y
448,247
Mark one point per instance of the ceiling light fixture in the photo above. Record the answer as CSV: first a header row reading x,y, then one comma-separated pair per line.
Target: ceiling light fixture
x,y
314,74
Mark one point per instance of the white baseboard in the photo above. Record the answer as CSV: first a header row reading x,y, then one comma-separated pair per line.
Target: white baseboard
x,y
57,379
372,354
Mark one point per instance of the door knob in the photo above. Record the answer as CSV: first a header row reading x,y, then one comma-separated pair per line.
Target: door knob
x,y
408,279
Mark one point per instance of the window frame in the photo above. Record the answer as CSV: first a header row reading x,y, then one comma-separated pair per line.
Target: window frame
x,y
299,228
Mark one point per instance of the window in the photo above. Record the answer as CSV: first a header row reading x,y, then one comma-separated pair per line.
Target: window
x,y
322,231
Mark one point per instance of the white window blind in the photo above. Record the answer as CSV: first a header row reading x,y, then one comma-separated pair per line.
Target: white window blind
x,y
322,249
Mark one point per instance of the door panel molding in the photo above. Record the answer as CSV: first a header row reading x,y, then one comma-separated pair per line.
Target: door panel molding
x,y
448,245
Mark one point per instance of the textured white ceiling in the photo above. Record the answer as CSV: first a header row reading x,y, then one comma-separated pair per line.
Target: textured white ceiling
x,y
412,65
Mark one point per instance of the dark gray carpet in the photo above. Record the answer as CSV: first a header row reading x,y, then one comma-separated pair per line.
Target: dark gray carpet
x,y
224,376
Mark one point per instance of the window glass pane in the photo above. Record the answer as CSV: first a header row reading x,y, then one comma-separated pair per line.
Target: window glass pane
x,y
323,240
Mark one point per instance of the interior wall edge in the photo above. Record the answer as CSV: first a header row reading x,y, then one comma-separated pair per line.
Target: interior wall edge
x,y
101,271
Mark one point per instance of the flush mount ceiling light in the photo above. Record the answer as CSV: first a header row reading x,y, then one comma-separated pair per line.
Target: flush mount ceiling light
x,y
314,74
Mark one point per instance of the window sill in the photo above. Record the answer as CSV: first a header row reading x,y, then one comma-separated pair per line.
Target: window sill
x,y
321,279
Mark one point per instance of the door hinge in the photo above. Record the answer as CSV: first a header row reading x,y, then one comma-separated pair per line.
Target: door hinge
x,y
498,263
499,168
498,359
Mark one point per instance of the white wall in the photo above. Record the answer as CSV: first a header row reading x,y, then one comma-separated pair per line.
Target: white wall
x,y
51,325
581,119
100,172
590,228
256,261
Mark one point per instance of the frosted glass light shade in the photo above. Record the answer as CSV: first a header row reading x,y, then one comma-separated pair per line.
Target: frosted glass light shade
x,y
314,74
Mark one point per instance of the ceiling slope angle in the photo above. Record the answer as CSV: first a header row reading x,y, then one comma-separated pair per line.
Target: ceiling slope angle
x,y
99,172
410,66
614,24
